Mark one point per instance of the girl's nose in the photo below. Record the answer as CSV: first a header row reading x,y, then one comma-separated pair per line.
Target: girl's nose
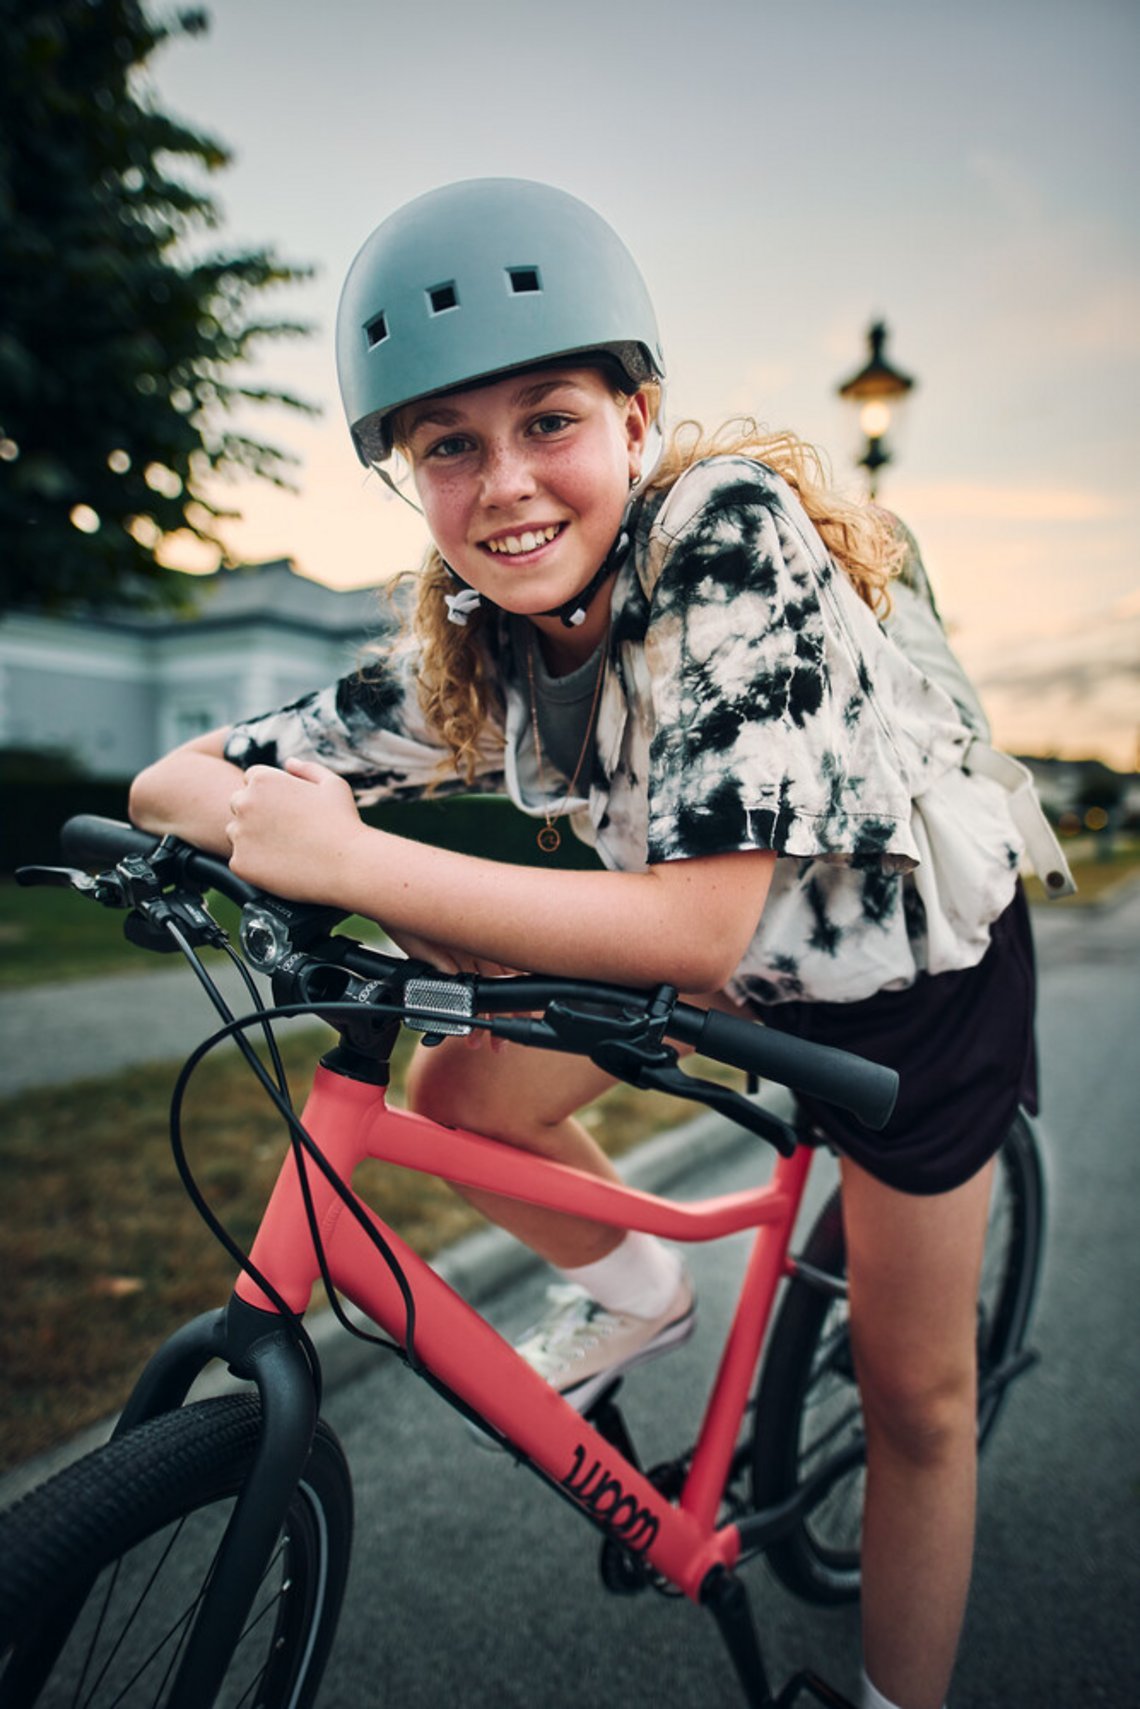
x,y
507,475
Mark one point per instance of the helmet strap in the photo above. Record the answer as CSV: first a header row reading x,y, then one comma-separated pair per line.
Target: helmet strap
x,y
460,605
379,469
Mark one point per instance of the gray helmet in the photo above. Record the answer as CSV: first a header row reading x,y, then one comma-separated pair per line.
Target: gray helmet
x,y
477,278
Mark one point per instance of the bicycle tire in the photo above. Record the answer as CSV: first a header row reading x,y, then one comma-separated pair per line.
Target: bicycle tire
x,y
145,1513
808,1421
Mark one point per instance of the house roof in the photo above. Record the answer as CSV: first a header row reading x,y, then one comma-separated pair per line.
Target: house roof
x,y
271,592
276,590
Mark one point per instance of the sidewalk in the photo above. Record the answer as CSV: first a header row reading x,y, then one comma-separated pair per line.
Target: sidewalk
x,y
114,1022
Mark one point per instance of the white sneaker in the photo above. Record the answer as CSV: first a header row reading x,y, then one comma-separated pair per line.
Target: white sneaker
x,y
580,1347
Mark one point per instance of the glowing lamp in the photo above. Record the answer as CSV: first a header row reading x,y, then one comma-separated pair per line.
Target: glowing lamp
x,y
876,390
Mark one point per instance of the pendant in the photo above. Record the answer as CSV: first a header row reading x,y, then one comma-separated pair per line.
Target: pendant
x,y
549,840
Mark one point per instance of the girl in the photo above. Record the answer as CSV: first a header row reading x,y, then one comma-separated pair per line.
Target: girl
x,y
681,660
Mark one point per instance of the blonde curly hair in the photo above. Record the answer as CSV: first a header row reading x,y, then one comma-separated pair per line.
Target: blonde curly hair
x,y
458,684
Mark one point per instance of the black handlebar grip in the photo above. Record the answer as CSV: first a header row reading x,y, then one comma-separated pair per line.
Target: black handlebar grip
x,y
89,840
865,1088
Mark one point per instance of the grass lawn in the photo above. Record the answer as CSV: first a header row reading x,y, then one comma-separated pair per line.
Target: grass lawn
x,y
47,936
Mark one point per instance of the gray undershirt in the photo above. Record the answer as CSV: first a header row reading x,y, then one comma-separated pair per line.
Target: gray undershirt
x,y
564,705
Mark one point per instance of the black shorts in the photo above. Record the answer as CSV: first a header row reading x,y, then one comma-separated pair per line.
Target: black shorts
x,y
963,1045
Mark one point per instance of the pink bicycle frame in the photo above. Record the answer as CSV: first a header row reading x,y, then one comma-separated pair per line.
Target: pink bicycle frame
x,y
350,1121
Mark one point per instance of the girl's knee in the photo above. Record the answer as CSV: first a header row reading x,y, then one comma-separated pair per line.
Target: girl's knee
x,y
442,1086
925,1411
467,1087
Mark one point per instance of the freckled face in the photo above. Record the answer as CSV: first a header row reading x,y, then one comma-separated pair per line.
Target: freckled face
x,y
523,482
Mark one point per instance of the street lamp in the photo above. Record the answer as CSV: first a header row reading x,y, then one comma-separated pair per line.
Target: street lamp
x,y
876,390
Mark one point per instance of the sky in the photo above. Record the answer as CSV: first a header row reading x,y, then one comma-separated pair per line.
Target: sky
x,y
785,174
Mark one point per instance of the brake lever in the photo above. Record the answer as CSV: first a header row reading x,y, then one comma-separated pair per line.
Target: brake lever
x,y
56,877
657,1070
105,887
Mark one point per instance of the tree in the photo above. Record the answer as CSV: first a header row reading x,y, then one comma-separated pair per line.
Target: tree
x,y
1100,786
119,331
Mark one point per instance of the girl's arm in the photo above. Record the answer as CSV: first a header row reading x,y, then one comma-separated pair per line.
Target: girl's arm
x,y
685,922
188,792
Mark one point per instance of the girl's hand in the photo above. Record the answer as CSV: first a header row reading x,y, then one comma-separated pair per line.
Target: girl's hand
x,y
447,957
292,831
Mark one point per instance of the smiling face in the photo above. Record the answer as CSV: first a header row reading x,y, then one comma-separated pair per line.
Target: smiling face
x,y
523,483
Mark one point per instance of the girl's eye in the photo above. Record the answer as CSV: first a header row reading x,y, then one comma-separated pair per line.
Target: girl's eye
x,y
453,446
544,425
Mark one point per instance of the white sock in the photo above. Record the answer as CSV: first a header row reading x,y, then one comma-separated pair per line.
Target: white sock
x,y
639,1277
873,1699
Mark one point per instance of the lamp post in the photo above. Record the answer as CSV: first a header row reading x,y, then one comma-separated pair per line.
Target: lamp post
x,y
876,391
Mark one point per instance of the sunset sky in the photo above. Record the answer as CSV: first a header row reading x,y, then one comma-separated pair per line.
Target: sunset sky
x,y
784,173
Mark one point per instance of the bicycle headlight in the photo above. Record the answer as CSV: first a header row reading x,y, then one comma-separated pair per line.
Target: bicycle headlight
x,y
264,938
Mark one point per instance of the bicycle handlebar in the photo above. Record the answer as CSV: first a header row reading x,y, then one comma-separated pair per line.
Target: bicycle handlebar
x,y
90,840
836,1076
819,1070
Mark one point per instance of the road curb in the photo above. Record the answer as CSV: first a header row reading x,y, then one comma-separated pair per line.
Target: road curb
x,y
478,1267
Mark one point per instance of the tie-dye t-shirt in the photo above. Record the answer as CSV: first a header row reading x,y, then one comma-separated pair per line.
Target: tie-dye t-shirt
x,y
750,700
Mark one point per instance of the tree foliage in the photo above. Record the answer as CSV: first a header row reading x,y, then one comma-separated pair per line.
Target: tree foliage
x,y
123,338
1100,786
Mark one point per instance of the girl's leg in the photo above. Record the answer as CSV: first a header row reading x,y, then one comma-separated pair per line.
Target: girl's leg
x,y
632,1298
526,1098
914,1265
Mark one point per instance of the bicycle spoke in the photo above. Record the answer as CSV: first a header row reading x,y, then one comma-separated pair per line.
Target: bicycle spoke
x,y
135,1615
182,1627
112,1580
258,1616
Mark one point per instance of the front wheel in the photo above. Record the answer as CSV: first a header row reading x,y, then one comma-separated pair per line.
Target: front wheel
x,y
102,1568
808,1422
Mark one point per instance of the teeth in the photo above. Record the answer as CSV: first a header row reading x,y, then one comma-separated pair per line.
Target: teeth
x,y
512,544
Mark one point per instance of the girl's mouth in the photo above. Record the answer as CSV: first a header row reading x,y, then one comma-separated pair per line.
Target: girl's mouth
x,y
526,540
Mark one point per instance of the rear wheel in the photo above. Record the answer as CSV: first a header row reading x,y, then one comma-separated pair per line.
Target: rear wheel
x,y
809,1424
143,1518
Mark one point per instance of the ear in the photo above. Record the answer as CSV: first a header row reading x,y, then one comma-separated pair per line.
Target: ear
x,y
638,420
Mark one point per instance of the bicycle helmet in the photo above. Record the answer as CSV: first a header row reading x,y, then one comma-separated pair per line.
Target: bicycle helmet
x,y
478,278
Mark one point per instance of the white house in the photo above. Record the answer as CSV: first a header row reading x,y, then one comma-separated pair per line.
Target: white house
x,y
116,689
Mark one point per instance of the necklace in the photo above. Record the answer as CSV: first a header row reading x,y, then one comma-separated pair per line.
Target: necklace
x,y
549,839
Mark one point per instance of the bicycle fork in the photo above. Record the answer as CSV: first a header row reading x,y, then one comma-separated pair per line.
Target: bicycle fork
x,y
256,1345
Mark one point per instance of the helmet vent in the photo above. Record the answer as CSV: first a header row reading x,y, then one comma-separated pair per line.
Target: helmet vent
x,y
524,279
443,297
376,331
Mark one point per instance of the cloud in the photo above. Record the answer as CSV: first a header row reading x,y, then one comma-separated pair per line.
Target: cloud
x,y
1076,694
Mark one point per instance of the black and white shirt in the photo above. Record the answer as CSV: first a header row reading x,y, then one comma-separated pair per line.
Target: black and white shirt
x,y
750,700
